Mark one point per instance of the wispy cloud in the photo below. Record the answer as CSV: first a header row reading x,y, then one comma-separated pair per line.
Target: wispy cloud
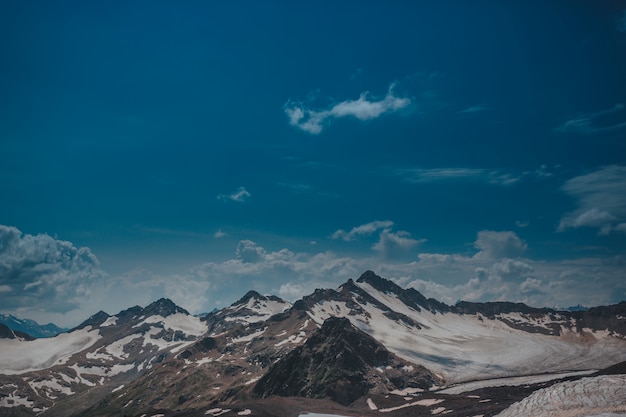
x,y
240,196
600,200
420,175
219,234
474,109
589,124
363,108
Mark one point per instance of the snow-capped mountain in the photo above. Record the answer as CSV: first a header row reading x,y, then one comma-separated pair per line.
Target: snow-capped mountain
x,y
30,327
101,352
369,344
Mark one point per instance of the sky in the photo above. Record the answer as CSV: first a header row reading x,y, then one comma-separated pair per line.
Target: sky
x,y
196,150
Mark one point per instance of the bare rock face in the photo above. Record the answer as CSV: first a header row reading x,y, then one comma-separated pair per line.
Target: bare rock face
x,y
341,363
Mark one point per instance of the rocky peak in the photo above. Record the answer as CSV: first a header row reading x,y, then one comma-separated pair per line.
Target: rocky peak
x,y
163,307
94,321
339,362
411,297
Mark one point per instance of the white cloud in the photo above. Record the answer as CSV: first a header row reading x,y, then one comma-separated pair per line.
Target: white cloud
x,y
589,124
496,245
240,196
43,272
248,251
391,243
600,200
219,234
362,230
363,108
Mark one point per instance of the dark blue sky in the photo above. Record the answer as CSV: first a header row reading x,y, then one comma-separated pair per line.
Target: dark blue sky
x,y
470,150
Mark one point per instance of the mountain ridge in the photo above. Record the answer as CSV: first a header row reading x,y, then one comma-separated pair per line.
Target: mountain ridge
x,y
368,337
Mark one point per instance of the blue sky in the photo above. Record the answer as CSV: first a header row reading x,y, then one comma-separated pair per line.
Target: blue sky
x,y
472,151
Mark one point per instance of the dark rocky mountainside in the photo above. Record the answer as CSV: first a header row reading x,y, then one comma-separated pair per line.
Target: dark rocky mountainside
x,y
7,333
342,363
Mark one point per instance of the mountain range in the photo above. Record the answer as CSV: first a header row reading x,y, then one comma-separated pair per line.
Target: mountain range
x,y
30,327
365,348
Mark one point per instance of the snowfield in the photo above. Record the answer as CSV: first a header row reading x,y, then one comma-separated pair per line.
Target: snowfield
x,y
18,357
261,310
189,325
469,347
597,396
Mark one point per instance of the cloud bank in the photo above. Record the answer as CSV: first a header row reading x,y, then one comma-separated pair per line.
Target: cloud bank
x,y
363,108
43,272
50,279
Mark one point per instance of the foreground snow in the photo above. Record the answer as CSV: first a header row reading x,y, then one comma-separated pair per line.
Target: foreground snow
x,y
597,396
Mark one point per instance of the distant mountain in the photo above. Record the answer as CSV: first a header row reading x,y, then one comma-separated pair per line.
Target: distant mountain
x,y
368,345
30,327
6,333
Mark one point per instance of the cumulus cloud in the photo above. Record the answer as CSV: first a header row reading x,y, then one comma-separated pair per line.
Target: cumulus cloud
x,y
250,252
362,230
240,195
600,200
363,108
390,243
589,124
496,245
44,272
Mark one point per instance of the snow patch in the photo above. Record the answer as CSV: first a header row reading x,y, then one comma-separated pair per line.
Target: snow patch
x,y
111,321
371,404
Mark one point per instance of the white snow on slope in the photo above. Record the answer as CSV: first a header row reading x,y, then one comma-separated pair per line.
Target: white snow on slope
x,y
465,348
509,382
598,396
261,309
18,357
189,325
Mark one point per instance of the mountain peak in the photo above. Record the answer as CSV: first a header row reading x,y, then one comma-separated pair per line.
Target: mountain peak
x,y
380,283
250,295
339,362
95,320
163,307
